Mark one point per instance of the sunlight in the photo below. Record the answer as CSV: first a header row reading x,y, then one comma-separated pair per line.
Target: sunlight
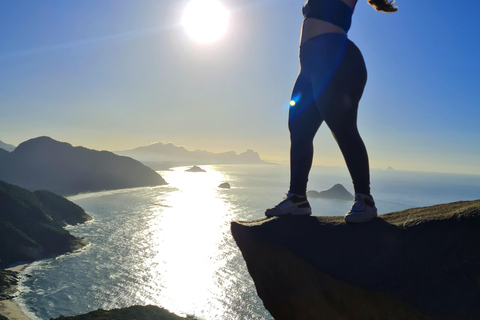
x,y
205,21
194,225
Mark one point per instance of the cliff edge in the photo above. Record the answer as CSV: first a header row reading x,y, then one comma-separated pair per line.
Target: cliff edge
x,y
421,263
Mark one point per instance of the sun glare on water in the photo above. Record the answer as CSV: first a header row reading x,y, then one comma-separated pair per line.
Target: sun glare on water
x,y
205,21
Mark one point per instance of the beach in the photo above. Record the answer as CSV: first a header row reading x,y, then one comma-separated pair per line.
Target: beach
x,y
9,308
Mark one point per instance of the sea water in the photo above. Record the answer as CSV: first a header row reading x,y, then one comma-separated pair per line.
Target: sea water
x,y
171,245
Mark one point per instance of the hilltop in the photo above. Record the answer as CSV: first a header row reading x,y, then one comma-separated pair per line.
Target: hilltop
x,y
44,163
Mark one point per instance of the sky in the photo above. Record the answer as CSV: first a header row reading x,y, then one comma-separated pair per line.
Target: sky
x,y
117,74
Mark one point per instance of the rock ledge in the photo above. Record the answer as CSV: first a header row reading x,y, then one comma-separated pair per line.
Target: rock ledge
x,y
421,263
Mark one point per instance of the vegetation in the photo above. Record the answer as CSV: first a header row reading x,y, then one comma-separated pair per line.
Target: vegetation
x,y
31,224
3,318
60,210
130,313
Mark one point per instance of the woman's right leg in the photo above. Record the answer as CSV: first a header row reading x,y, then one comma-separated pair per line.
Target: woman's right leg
x,y
303,123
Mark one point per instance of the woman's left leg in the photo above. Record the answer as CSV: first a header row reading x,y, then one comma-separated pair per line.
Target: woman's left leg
x,y
338,105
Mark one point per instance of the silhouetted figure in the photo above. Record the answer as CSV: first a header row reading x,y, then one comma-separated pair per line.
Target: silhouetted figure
x,y
328,89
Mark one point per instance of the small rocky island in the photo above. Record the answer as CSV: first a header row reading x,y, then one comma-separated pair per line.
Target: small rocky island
x,y
224,185
195,169
337,192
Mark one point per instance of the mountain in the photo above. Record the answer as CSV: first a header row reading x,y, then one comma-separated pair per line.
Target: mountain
x,y
163,156
337,192
31,224
44,163
3,154
6,146
420,263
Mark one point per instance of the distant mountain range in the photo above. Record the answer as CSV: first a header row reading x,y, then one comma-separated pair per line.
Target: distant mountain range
x,y
47,164
31,224
6,146
162,156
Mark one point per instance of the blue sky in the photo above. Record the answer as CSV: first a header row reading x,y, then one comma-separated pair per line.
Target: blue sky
x,y
116,74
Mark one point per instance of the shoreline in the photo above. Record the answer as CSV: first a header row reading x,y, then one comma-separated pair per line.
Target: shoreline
x,y
9,307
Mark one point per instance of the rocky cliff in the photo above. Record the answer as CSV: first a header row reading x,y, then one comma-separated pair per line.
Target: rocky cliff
x,y
47,164
421,263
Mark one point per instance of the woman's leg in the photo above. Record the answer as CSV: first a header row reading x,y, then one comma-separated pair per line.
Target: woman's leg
x,y
344,129
303,123
338,105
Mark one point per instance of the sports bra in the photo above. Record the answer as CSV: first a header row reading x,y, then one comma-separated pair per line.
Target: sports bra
x,y
334,11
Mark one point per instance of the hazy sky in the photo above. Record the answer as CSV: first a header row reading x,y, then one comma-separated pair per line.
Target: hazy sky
x,y
117,74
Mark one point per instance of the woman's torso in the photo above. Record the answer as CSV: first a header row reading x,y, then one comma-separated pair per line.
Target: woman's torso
x,y
313,26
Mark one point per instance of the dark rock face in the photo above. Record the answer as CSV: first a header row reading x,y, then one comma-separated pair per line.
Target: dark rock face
x,y
421,263
8,279
337,192
46,164
31,225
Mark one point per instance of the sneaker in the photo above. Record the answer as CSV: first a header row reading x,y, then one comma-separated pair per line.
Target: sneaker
x,y
293,205
363,209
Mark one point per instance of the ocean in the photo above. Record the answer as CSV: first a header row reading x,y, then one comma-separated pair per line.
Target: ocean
x,y
171,245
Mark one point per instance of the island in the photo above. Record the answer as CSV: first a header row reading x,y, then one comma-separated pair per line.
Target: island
x,y
195,169
224,185
337,192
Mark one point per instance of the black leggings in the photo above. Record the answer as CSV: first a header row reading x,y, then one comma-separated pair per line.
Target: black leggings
x,y
329,87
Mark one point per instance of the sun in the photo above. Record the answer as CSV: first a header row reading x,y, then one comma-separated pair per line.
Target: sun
x,y
205,21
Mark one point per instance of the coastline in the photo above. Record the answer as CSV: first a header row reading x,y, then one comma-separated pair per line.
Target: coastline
x,y
9,308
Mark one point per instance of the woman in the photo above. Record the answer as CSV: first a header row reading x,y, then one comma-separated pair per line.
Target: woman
x,y
329,87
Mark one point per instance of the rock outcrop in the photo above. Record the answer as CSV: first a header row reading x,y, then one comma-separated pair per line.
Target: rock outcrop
x,y
337,192
31,224
46,164
421,263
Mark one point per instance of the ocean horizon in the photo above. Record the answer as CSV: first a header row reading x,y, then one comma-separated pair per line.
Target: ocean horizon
x,y
171,245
